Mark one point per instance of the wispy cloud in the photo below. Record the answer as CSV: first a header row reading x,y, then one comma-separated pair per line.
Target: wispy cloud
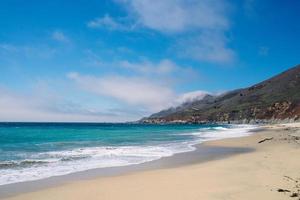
x,y
134,97
173,16
24,50
131,90
46,106
140,92
59,36
107,22
191,96
205,23
208,46
139,65
163,67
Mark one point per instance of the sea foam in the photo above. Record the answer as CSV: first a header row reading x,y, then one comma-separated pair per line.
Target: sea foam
x,y
54,163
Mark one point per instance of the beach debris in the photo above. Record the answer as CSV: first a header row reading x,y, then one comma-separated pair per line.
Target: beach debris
x,y
294,194
283,190
266,139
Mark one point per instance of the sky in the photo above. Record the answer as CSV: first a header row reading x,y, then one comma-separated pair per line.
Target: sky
x,y
120,60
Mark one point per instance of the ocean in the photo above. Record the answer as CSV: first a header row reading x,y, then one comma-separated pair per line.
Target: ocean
x,y
32,151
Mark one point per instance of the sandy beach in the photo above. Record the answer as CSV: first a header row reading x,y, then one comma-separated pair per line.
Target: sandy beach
x,y
271,171
149,100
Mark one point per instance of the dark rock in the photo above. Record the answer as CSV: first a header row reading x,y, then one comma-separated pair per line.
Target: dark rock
x,y
283,190
294,194
266,139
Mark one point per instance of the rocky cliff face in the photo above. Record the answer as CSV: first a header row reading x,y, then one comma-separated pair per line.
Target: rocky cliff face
x,y
277,98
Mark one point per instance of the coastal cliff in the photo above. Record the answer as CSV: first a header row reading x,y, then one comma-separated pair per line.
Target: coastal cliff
x,y
275,99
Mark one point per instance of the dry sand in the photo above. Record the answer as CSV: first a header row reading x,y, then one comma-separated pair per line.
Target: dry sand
x,y
275,164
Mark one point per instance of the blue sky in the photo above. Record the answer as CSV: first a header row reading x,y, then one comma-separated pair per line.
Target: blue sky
x,y
119,60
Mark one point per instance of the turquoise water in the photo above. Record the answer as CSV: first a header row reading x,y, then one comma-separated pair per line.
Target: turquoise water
x,y
30,151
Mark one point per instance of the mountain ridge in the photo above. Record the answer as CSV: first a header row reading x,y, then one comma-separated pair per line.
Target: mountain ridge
x,y
277,98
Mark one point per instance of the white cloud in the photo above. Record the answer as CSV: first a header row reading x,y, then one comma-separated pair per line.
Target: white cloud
x,y
208,46
173,16
191,96
204,21
60,36
142,98
200,26
16,107
163,67
27,107
131,90
29,51
108,22
136,92
130,98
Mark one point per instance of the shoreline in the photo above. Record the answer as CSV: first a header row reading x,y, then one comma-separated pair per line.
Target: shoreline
x,y
82,156
202,153
261,169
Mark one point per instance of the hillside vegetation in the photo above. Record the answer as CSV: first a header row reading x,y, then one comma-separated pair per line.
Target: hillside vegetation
x,y
277,98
